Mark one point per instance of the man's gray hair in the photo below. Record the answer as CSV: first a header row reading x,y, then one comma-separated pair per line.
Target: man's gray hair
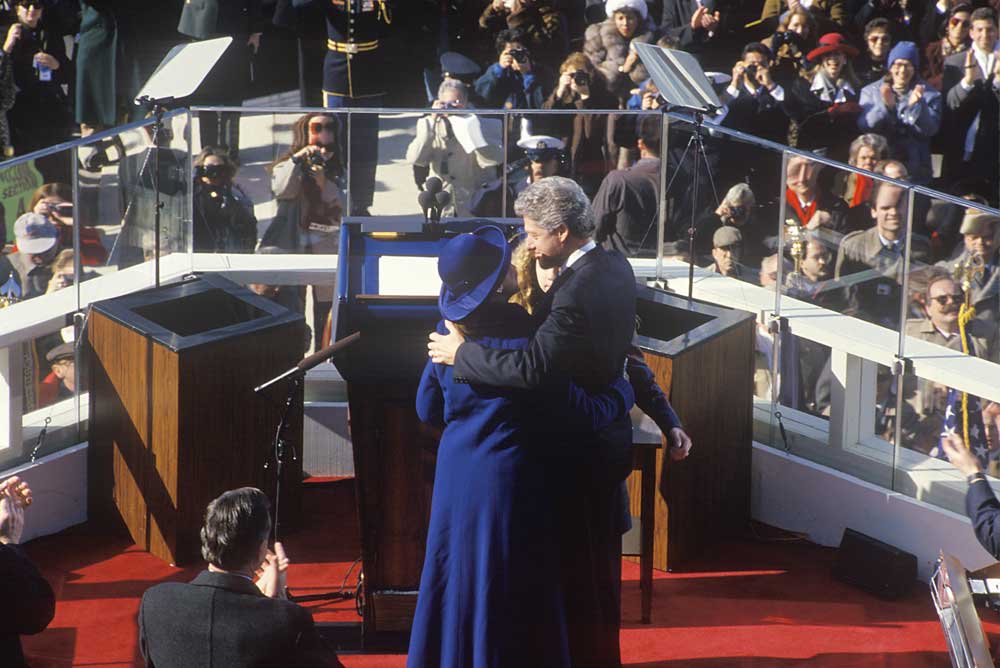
x,y
555,201
455,85
741,194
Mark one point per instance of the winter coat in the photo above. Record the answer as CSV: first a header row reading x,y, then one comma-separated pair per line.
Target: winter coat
x,y
908,129
607,50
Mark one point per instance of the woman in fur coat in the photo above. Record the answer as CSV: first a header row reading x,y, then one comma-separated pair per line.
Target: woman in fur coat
x,y
608,43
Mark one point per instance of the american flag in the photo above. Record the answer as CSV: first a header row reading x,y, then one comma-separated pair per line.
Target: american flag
x,y
952,425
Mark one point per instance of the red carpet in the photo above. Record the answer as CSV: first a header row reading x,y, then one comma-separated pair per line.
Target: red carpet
x,y
751,604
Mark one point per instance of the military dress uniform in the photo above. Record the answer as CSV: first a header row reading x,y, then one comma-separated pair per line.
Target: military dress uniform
x,y
352,69
353,77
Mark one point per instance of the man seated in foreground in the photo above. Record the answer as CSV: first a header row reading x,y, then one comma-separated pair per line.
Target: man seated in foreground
x,y
223,617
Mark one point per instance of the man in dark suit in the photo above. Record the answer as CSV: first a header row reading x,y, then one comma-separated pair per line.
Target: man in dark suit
x,y
981,504
223,617
29,604
971,85
586,332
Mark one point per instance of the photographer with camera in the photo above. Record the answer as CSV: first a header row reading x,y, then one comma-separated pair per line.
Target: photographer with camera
x,y
795,36
514,81
223,214
541,23
437,150
754,101
306,181
591,152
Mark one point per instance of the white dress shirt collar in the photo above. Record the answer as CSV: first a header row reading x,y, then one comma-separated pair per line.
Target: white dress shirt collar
x,y
578,253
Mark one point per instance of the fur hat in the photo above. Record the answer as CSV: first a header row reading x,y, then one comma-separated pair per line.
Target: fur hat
x,y
637,6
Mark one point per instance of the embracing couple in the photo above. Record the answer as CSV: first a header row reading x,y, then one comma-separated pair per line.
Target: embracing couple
x,y
523,561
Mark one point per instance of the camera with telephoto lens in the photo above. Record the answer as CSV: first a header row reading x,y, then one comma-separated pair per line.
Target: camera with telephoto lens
x,y
581,78
215,171
520,55
751,72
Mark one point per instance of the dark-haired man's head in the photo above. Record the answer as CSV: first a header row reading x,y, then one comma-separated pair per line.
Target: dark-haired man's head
x,y
647,132
237,525
984,29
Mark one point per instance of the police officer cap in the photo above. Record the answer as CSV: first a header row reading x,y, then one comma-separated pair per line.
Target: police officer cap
x,y
727,235
541,143
978,223
61,352
458,66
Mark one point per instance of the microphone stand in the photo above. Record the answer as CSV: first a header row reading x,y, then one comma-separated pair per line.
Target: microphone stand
x,y
282,449
158,107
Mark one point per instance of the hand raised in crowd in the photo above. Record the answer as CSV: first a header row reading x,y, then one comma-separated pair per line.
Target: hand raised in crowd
x,y
15,496
710,21
630,60
960,456
506,60
916,94
680,444
13,34
972,72
818,220
499,5
46,60
739,69
888,97
696,17
565,86
764,76
273,573
650,101
308,150
253,41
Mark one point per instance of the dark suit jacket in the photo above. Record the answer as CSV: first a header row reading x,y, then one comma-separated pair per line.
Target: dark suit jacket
x,y
29,603
220,619
961,108
586,335
203,19
983,509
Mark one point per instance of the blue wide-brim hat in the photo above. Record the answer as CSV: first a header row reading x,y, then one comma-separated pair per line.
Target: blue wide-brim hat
x,y
471,267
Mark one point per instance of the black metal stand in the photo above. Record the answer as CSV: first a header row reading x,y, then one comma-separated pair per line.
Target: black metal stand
x,y
282,449
158,107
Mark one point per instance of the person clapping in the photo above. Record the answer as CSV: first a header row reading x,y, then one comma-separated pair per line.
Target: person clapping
x,y
29,604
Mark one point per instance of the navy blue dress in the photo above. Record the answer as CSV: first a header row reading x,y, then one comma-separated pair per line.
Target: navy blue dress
x,y
489,597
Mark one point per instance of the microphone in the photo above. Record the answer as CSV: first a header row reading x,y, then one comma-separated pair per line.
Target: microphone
x,y
426,200
433,185
313,360
443,199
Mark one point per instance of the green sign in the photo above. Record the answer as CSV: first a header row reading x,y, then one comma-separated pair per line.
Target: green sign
x,y
17,185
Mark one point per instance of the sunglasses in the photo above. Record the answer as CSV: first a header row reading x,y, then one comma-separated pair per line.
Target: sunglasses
x,y
944,299
959,22
319,127
879,38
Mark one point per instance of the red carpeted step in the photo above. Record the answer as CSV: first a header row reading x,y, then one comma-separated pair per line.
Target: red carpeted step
x,y
749,604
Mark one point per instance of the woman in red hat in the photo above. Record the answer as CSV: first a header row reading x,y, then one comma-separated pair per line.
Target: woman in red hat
x,y
823,102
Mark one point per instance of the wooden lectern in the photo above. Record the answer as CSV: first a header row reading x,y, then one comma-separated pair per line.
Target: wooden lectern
x,y
702,356
174,420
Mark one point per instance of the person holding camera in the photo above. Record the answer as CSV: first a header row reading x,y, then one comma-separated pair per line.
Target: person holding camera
x,y
541,23
41,113
437,150
306,181
223,214
514,81
591,153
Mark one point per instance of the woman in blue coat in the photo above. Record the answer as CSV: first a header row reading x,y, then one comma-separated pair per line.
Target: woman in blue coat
x,y
904,109
488,598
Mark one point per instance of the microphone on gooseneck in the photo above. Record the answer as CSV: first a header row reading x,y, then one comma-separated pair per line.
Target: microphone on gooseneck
x,y
426,201
433,185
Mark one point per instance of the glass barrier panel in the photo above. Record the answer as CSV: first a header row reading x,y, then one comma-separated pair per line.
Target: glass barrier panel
x,y
463,150
49,410
954,298
120,176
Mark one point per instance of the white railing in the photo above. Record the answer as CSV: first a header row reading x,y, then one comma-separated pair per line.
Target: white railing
x,y
846,441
